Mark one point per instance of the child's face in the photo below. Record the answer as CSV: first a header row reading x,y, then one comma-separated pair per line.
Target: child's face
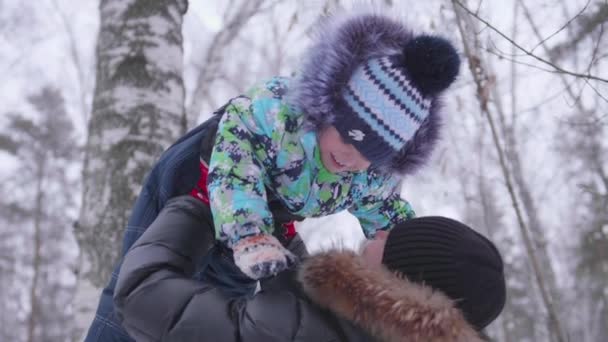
x,y
338,156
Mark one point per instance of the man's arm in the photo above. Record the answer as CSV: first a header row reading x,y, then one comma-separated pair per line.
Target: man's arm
x,y
156,298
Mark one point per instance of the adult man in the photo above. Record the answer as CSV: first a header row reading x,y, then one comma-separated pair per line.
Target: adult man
x,y
352,297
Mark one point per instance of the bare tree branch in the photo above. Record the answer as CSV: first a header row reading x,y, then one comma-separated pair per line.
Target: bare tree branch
x,y
596,48
587,24
563,26
541,103
208,72
528,52
576,98
496,52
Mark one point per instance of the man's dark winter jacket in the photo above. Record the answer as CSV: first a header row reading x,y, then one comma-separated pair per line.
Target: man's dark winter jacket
x,y
158,300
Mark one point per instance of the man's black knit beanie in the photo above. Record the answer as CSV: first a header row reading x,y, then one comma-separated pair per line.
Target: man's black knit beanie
x,y
453,258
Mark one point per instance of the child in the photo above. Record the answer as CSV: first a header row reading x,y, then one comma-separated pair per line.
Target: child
x,y
362,114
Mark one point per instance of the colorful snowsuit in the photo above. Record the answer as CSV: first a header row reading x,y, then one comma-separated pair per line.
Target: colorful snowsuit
x,y
263,144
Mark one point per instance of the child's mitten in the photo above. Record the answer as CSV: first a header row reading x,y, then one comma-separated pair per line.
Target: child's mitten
x,y
260,256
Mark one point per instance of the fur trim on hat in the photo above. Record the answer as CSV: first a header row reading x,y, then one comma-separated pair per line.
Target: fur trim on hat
x,y
341,43
390,307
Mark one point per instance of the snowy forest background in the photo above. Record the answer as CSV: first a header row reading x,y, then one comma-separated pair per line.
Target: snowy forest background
x,y
92,92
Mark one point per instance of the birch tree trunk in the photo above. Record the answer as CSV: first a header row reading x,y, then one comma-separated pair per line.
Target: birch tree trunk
x,y
137,107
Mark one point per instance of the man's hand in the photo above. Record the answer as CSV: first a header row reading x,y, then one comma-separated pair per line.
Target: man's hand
x,y
261,256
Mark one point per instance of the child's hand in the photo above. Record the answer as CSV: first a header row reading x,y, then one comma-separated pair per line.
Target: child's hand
x,y
262,256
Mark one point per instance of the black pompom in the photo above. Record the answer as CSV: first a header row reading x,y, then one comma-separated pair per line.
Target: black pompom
x,y
432,63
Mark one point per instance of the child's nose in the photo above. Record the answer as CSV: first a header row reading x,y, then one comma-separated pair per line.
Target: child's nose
x,y
356,158
352,151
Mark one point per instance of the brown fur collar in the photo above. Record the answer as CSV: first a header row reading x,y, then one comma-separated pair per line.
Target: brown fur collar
x,y
390,307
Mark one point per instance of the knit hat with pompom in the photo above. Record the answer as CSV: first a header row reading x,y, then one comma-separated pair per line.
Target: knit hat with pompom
x,y
388,98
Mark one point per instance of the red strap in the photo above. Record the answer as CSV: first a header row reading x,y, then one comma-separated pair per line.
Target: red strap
x,y
200,191
290,230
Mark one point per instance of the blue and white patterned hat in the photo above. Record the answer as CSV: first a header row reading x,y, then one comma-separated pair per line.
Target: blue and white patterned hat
x,y
379,85
386,103
386,109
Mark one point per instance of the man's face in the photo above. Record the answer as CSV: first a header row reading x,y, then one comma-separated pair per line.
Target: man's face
x,y
373,250
338,156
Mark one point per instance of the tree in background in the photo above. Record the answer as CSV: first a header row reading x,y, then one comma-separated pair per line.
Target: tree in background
x,y
581,142
236,16
40,202
138,108
485,210
584,145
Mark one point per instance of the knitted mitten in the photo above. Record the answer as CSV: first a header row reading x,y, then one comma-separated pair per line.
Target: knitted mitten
x,y
260,256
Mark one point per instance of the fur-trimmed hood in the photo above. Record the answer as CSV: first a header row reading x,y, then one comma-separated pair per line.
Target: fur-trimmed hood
x,y
340,44
389,307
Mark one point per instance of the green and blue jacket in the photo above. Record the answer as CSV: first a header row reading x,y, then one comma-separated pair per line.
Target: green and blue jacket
x,y
263,144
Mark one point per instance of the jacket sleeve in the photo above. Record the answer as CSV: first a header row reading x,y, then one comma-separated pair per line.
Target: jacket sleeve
x,y
157,300
244,151
382,208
